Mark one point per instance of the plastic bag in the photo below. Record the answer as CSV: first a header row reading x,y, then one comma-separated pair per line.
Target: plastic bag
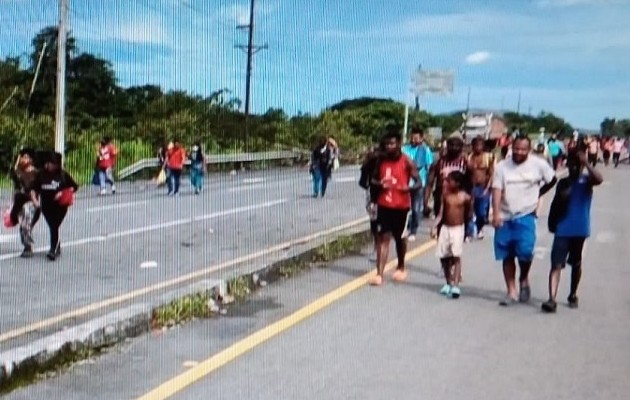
x,y
335,164
161,178
66,199
6,218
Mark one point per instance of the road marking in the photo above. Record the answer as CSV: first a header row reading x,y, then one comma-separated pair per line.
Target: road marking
x,y
90,308
8,238
154,227
149,264
253,180
241,347
345,179
115,206
246,187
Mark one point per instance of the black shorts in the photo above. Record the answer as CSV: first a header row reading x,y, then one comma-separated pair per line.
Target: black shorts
x,y
392,220
567,250
606,154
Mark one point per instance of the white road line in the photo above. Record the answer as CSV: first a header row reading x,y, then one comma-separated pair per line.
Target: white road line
x,y
8,238
253,180
248,187
149,228
115,206
345,179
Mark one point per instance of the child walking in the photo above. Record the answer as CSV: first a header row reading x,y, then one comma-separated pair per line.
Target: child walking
x,y
570,222
455,213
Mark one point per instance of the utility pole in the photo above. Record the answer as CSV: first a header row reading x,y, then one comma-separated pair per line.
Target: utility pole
x,y
60,112
518,105
250,49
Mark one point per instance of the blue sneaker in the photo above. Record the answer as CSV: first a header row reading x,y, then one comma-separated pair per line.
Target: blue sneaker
x,y
455,292
446,290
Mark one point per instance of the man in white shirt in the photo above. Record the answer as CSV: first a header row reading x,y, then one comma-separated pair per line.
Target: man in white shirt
x,y
516,189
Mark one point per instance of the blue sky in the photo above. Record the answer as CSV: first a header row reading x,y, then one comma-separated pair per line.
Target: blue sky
x,y
570,57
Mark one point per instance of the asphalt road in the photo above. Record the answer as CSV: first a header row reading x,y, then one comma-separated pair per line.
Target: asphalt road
x,y
106,240
402,340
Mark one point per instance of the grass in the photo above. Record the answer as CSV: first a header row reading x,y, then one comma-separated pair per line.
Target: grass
x,y
181,310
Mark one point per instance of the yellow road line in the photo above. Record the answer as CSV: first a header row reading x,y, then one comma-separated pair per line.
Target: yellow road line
x,y
90,308
241,347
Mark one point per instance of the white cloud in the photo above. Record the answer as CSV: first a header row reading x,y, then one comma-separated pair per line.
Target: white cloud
x,y
478,57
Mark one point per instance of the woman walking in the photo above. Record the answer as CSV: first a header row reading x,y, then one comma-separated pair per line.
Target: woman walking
x,y
197,167
24,212
55,189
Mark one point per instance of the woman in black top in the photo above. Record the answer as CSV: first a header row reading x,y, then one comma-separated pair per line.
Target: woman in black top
x,y
52,182
24,212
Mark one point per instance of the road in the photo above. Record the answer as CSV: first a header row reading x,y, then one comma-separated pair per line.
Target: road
x,y
400,341
106,240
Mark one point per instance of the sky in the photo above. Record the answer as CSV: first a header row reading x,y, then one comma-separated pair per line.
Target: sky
x,y
569,57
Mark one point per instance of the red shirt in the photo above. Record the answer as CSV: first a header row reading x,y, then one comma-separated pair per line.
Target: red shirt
x,y
399,174
176,158
106,156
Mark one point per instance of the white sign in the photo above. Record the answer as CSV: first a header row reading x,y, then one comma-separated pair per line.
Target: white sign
x,y
435,82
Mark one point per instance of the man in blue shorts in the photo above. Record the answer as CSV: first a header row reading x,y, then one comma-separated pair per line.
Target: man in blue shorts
x,y
517,185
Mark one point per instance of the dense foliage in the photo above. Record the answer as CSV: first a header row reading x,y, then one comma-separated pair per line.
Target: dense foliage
x,y
142,118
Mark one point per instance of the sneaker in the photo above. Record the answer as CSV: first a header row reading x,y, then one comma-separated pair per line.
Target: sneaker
x,y
455,292
525,294
573,301
412,238
446,290
51,256
27,253
400,275
103,192
113,189
508,301
549,306
480,235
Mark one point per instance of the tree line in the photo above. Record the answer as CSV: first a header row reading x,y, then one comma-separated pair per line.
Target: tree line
x,y
142,118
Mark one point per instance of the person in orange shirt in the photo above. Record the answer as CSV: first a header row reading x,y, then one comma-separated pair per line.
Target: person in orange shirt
x,y
105,164
175,159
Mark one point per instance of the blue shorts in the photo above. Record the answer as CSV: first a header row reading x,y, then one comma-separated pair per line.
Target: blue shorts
x,y
516,239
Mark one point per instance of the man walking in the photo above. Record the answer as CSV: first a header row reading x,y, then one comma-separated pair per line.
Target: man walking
x,y
570,222
391,177
481,163
421,155
516,189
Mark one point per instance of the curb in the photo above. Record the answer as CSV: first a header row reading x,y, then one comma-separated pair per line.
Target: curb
x,y
47,353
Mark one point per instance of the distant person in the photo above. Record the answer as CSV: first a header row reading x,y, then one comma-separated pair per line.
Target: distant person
x,y
570,222
197,167
517,185
24,212
395,171
176,157
593,150
504,144
455,213
368,168
617,148
422,156
334,153
54,192
107,155
607,149
320,166
481,164
555,151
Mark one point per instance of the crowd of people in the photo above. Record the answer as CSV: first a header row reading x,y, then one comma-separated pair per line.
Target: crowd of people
x,y
508,177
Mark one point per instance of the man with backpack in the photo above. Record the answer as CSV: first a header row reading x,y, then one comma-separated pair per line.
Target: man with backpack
x,y
422,157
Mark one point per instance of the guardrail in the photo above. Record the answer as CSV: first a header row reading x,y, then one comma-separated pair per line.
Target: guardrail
x,y
218,159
